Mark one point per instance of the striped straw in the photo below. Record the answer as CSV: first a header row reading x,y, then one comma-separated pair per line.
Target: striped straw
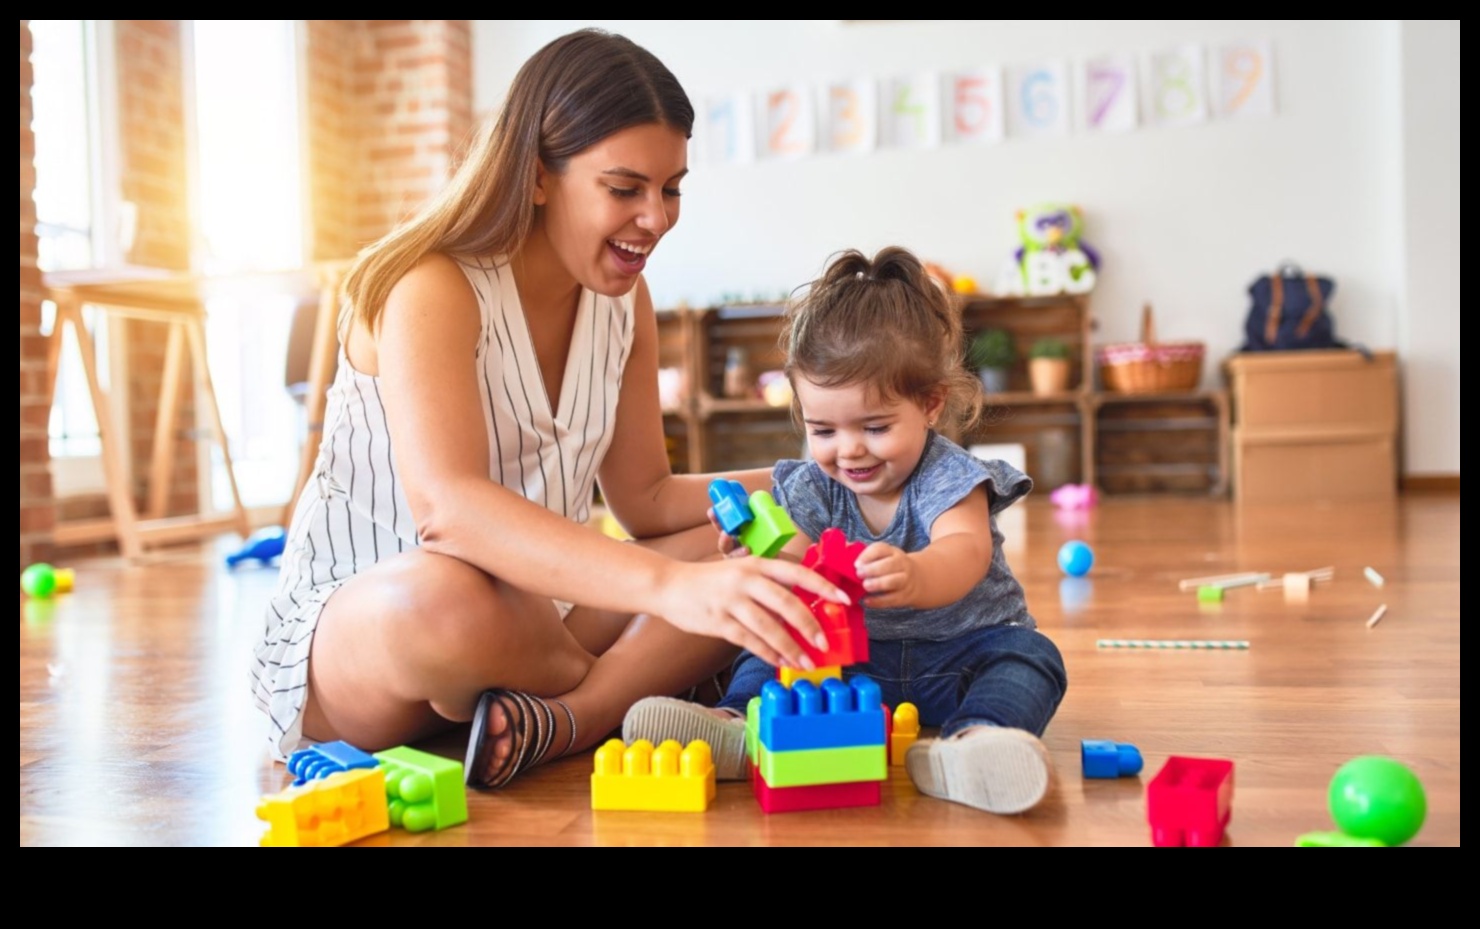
x,y
1216,644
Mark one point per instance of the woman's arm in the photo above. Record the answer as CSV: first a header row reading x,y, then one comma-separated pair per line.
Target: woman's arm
x,y
957,558
638,485
424,353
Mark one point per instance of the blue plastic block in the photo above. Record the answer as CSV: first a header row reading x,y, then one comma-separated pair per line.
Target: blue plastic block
x,y
834,715
325,759
1102,758
263,546
731,505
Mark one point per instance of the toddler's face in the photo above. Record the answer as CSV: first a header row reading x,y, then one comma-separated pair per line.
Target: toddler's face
x,y
865,442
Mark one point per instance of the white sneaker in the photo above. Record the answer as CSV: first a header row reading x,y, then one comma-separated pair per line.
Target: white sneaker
x,y
992,769
659,718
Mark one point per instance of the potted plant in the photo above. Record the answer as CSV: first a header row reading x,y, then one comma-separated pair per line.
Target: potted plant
x,y
992,354
1048,366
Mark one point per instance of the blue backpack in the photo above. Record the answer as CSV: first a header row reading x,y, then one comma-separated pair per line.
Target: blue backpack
x,y
1289,312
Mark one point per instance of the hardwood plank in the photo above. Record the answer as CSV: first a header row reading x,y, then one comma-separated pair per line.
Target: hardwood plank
x,y
137,728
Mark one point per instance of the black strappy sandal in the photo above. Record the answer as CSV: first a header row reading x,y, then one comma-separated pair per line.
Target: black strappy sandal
x,y
532,726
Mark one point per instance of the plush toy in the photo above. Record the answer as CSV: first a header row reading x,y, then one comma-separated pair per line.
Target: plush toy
x,y
1052,259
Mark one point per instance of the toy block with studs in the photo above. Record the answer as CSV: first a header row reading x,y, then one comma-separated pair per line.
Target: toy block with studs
x,y
1190,801
324,759
833,557
769,529
904,730
805,767
335,810
731,508
423,791
834,715
670,777
1101,758
789,676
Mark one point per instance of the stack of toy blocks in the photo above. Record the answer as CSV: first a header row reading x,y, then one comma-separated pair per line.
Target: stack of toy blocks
x,y
641,777
814,748
759,522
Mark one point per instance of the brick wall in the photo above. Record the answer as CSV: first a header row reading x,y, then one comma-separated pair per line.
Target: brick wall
x,y
412,84
38,506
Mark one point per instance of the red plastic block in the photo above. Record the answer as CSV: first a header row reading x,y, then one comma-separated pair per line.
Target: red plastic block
x,y
1190,801
833,557
814,796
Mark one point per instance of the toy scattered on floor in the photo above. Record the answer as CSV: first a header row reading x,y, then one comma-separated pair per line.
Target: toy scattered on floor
x,y
1224,581
1376,797
261,546
1208,644
904,731
1052,258
423,791
1075,497
1375,579
1190,801
333,810
1210,593
42,580
1101,758
1377,616
1076,558
671,777
324,759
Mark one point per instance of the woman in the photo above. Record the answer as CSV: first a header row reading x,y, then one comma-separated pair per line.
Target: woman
x,y
499,359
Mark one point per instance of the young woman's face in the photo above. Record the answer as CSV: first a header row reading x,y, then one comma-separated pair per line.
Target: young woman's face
x,y
868,444
605,214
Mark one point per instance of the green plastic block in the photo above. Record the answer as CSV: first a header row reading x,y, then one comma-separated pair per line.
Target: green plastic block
x,y
769,528
424,791
1335,840
752,728
823,765
1209,594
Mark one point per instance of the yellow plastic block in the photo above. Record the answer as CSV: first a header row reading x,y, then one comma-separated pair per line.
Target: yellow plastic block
x,y
333,810
789,676
640,777
906,731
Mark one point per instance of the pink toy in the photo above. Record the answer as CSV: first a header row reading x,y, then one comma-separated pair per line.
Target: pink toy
x,y
1190,801
1074,497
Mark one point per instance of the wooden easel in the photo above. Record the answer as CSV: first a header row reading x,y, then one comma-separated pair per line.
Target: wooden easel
x,y
178,300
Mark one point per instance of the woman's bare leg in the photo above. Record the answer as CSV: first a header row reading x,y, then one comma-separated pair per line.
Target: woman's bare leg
x,y
403,650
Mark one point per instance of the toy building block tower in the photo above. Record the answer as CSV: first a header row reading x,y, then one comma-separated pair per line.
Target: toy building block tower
x,y
759,522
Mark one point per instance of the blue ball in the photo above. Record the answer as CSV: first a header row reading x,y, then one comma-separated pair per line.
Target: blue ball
x,y
1075,558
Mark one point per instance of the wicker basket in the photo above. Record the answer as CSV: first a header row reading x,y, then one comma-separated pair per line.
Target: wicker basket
x,y
1149,366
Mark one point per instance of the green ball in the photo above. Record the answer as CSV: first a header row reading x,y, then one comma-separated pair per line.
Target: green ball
x,y
1373,797
39,580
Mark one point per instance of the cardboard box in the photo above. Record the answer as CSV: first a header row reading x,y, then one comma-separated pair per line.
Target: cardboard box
x,y
1339,390
1313,425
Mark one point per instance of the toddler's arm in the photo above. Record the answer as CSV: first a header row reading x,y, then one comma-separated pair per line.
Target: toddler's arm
x,y
957,558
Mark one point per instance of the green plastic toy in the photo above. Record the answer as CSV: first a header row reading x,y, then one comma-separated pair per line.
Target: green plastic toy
x,y
423,791
769,529
39,580
1374,797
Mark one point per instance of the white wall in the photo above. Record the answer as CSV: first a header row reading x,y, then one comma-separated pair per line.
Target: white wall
x,y
1184,218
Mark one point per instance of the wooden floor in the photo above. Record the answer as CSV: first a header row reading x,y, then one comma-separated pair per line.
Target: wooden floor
x,y
136,726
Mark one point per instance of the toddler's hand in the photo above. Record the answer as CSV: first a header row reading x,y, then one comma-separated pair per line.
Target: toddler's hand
x,y
888,574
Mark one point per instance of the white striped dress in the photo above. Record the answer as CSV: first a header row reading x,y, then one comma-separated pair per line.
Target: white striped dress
x,y
353,510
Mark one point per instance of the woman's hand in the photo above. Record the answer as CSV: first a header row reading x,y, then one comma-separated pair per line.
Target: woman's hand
x,y
889,575
748,602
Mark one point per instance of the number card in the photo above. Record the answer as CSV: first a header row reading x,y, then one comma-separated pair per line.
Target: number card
x,y
1038,99
1245,79
1107,92
787,121
911,111
850,116
974,105
729,129
1176,84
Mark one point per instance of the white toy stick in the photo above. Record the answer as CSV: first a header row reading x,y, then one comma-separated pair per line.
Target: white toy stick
x,y
1193,583
1377,616
1373,576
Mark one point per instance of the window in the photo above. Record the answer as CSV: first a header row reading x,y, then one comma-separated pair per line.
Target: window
x,y
247,191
